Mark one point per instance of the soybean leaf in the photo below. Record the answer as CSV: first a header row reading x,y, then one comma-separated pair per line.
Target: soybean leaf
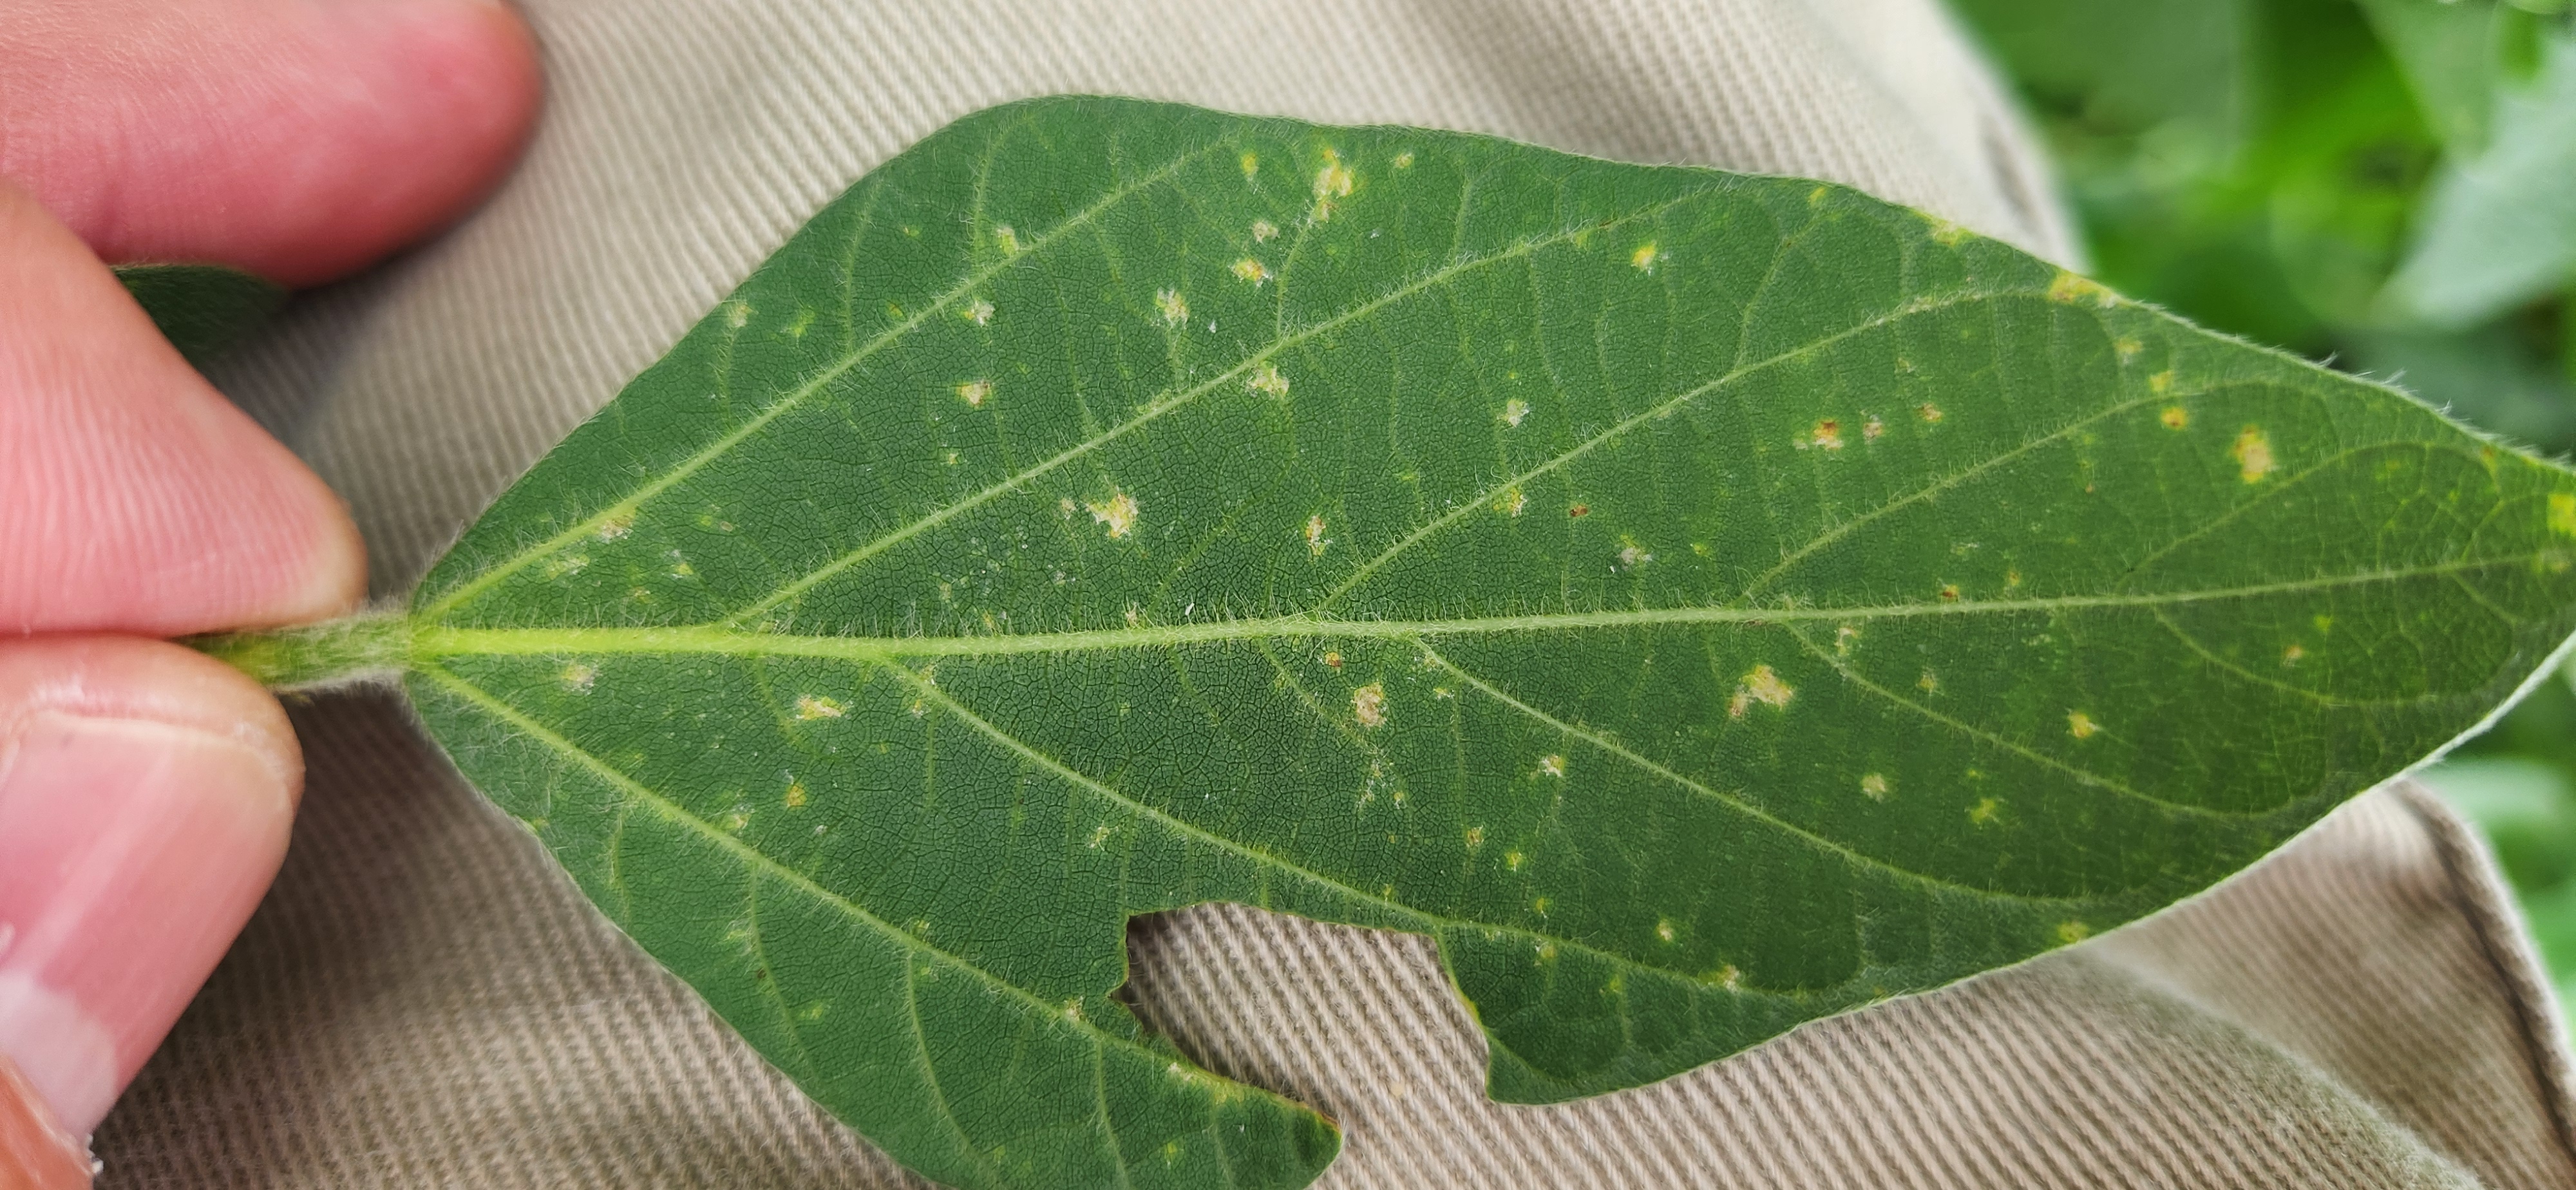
x,y
1702,603
203,309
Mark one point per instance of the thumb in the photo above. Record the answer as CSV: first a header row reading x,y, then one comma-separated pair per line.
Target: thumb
x,y
145,798
35,1153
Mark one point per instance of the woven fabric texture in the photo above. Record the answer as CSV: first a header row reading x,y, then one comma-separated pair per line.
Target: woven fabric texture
x,y
424,1002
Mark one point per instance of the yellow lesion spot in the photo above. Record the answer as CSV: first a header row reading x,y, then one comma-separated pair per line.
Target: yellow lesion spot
x,y
1844,635
1728,977
1513,860
1007,239
1828,434
1632,555
1263,231
814,706
616,526
795,794
1929,683
1475,837
566,565
1267,380
2290,656
1333,181
1874,786
1986,811
1552,765
1315,539
803,322
578,676
1539,906
1174,309
1761,684
1368,705
973,392
1332,658
1665,931
2174,417
2070,288
1248,269
2253,455
1099,835
979,312
2127,348
737,315
1404,160
2161,383
2081,725
1948,234
1513,411
1251,165
1118,512
2562,513
1928,411
1644,258
1872,428
1512,502
1949,592
1135,615
2071,932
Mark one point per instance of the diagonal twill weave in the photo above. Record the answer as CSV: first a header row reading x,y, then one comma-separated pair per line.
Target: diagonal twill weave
x,y
1702,603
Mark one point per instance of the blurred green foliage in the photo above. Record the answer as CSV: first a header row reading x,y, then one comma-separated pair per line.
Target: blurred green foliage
x,y
2387,185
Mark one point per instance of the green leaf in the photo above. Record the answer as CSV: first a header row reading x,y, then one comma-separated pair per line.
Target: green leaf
x,y
203,309
2500,228
2449,51
1702,603
2125,67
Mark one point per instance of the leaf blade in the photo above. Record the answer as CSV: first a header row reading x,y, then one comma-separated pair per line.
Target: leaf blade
x,y
1701,603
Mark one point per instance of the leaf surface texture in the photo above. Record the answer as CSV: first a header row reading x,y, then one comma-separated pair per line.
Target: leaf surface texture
x,y
1703,603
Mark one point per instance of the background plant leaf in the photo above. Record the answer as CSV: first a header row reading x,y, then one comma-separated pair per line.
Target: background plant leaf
x,y
2448,50
1702,603
2499,228
203,309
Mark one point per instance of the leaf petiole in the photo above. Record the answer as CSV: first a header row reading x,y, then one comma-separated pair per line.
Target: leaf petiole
x,y
372,646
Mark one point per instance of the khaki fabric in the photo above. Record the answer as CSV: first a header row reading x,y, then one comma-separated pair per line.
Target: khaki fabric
x,y
423,1001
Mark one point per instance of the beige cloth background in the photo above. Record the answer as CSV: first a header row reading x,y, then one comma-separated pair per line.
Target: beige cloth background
x,y
424,1002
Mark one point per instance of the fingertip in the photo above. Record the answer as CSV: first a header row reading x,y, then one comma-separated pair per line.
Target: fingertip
x,y
35,1152
294,139
133,497
451,94
146,794
333,560
123,677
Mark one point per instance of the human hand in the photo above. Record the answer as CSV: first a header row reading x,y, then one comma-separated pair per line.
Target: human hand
x,y
145,791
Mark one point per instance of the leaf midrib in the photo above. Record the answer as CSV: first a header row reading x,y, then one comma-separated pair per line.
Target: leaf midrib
x,y
430,643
